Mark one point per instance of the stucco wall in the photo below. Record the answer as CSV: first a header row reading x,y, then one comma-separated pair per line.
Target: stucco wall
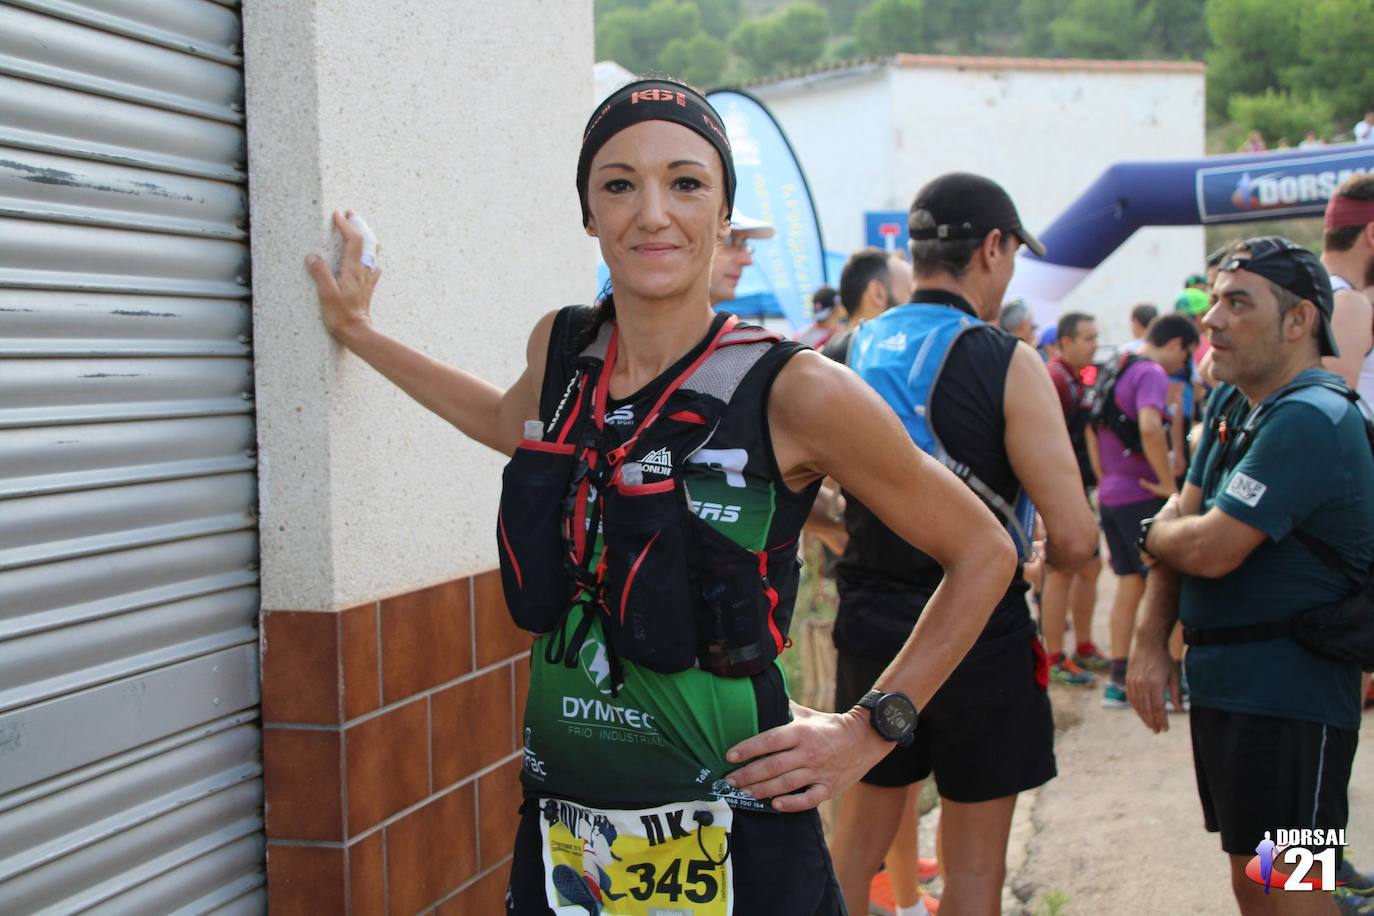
x,y
456,134
1044,134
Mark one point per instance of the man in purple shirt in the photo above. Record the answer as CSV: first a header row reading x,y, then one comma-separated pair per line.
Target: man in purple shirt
x,y
1129,448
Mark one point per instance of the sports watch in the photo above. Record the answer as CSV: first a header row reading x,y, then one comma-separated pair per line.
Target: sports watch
x,y
1145,525
892,715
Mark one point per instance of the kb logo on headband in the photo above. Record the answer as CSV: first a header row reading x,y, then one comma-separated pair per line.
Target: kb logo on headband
x,y
658,95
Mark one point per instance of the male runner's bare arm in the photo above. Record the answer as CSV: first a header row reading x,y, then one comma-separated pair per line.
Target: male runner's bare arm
x,y
1210,545
1351,324
1156,448
475,406
1178,429
1150,669
868,451
1038,447
1094,453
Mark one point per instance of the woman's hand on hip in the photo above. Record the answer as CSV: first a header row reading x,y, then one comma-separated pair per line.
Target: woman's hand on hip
x,y
814,757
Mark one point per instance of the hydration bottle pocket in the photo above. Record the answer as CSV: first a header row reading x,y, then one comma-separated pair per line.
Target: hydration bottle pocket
x,y
645,595
529,538
734,602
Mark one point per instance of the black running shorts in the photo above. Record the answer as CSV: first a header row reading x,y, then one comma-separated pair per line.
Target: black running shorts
x,y
987,733
1258,773
1121,525
781,865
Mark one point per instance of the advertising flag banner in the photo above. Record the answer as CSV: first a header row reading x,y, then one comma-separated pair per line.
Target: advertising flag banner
x,y
771,187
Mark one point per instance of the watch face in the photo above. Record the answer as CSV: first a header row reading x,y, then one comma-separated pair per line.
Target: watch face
x,y
897,716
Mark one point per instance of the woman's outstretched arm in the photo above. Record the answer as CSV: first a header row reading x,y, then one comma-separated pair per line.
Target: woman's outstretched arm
x,y
475,406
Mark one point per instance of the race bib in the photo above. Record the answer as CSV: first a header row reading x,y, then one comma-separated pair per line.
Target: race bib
x,y
669,861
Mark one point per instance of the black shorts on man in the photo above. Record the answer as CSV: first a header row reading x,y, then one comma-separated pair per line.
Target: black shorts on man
x,y
987,733
1258,773
1121,525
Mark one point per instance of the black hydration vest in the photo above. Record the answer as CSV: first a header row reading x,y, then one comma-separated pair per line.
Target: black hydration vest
x,y
1342,630
1107,412
663,514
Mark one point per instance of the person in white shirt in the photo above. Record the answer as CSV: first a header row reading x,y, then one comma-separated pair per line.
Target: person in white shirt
x,y
1364,130
1348,255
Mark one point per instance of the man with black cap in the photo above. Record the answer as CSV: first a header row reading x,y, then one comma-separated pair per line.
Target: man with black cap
x,y
1276,520
981,401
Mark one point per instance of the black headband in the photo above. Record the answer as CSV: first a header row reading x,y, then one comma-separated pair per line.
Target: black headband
x,y
653,100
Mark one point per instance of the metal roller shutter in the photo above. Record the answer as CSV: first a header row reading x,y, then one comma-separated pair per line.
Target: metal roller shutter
x,y
130,751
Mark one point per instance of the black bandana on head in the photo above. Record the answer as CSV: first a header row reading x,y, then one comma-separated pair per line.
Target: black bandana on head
x,y
653,100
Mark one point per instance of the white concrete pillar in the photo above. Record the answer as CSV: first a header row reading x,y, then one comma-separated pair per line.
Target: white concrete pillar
x,y
454,127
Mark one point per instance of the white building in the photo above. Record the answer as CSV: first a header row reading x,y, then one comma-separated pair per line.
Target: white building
x,y
870,134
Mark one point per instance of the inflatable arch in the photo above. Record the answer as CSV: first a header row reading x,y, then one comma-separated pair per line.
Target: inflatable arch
x,y
1217,189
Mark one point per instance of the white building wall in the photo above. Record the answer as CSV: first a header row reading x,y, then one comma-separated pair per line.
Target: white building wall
x,y
456,133
842,131
1044,134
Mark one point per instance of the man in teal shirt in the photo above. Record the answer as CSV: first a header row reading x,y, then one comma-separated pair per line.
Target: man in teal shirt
x,y
1274,726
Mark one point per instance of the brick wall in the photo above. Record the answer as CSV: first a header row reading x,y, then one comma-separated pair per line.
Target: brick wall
x,y
391,750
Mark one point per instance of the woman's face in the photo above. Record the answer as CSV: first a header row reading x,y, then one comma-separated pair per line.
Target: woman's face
x,y
656,194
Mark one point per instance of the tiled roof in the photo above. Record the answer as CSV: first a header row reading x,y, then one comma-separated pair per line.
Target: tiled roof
x,y
968,62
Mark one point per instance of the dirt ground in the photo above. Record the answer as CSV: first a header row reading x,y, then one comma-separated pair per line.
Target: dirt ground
x,y
1120,829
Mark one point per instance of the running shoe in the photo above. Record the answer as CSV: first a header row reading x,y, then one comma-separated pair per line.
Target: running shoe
x,y
882,901
1114,696
1088,658
1065,671
1355,880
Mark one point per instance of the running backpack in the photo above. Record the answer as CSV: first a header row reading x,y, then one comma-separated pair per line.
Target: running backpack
x,y
901,354
1106,412
1342,630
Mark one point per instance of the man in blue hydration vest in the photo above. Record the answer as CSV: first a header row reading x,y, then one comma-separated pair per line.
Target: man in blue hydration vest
x,y
1275,523
980,400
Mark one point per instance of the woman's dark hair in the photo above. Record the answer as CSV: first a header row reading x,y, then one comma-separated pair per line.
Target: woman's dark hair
x,y
603,311
665,98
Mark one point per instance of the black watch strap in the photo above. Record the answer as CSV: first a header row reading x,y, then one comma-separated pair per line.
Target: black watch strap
x,y
892,715
1145,525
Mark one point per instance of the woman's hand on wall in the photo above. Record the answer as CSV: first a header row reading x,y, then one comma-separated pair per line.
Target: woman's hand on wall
x,y
346,296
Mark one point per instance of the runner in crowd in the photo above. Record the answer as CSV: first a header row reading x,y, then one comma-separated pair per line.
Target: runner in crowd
x,y
1142,313
965,389
1185,386
871,282
1275,523
1129,446
1348,255
653,713
1018,321
827,318
735,255
1048,345
1076,590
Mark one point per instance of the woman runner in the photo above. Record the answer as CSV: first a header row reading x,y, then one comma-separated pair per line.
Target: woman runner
x,y
665,459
